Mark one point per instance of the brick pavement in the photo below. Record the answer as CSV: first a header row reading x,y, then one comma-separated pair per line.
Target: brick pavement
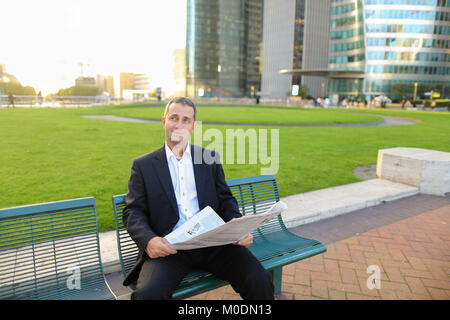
x,y
413,256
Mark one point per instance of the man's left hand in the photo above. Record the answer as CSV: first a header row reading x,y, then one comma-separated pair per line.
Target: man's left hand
x,y
246,242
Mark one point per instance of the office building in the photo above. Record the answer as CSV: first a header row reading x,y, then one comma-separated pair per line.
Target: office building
x,y
339,48
278,48
223,48
315,51
141,81
179,72
126,82
400,48
135,86
85,81
295,40
106,84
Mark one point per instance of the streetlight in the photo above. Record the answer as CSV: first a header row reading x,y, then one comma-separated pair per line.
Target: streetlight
x,y
219,70
415,90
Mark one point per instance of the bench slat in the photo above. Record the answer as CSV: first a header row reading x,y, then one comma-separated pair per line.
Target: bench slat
x,y
46,207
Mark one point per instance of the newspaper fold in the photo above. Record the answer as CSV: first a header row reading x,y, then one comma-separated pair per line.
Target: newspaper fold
x,y
207,229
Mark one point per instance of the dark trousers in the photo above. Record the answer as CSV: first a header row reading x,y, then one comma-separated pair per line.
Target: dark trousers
x,y
160,277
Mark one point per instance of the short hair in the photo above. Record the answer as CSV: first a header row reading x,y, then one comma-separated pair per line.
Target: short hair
x,y
181,100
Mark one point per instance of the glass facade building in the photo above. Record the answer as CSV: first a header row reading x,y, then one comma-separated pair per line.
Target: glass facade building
x,y
295,44
223,48
396,43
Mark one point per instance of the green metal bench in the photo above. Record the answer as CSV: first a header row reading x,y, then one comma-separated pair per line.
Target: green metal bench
x,y
50,251
274,245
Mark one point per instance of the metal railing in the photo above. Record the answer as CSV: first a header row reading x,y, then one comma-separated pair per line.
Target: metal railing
x,y
86,101
53,101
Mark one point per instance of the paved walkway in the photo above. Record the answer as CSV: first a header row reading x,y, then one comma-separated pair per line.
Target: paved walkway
x,y
387,121
408,239
413,256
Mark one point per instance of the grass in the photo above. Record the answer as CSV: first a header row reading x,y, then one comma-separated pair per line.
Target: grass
x,y
54,154
237,114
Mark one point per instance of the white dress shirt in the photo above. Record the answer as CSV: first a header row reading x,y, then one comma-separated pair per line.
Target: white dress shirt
x,y
183,182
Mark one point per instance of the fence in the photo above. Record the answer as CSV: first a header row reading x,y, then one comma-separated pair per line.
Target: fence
x,y
54,101
85,101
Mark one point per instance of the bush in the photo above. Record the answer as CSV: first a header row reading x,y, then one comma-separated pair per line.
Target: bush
x,y
439,103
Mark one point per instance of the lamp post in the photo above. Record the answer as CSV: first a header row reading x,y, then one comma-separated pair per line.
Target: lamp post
x,y
415,90
219,70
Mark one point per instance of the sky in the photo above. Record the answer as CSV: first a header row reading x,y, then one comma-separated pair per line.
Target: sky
x,y
43,41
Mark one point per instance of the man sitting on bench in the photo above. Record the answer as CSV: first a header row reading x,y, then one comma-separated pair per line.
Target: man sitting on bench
x,y
165,189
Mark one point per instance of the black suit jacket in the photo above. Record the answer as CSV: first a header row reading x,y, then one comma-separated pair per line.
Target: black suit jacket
x,y
151,208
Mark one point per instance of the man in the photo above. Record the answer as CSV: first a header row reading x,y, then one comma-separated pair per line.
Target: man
x,y
11,99
165,189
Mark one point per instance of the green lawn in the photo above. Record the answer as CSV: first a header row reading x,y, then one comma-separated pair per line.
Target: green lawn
x,y
54,154
236,114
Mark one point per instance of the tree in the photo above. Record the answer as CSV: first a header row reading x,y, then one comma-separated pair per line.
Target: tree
x,y
16,88
79,90
403,89
303,92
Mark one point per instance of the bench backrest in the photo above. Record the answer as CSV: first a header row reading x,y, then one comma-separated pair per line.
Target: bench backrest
x,y
253,194
49,250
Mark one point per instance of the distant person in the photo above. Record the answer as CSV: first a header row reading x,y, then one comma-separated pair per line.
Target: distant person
x,y
318,102
403,102
424,104
433,105
414,104
40,99
384,101
11,99
408,104
257,99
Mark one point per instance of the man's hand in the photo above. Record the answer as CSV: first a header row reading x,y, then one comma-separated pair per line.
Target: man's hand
x,y
159,247
246,242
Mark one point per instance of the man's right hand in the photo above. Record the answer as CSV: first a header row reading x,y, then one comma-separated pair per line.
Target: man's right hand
x,y
159,247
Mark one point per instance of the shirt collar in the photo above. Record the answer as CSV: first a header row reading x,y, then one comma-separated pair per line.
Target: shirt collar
x,y
170,154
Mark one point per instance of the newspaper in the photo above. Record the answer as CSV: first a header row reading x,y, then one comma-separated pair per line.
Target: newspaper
x,y
208,229
206,220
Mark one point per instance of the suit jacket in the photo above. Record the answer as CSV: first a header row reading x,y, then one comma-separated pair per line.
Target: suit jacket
x,y
150,205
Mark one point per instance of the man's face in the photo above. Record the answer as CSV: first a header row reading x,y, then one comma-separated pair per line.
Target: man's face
x,y
178,123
